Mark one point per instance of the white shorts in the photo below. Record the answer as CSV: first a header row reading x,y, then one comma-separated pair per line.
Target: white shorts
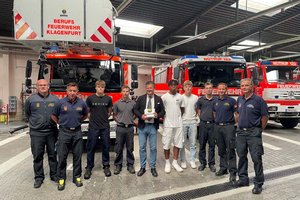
x,y
172,135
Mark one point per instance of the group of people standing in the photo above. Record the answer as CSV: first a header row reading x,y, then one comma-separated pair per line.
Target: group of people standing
x,y
180,113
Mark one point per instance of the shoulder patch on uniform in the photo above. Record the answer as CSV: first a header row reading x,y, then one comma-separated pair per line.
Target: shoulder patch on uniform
x,y
65,108
226,104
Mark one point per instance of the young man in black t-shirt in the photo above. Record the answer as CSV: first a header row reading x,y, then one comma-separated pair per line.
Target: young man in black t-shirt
x,y
100,108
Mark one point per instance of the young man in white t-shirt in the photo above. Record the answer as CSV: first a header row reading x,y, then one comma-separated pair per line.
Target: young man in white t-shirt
x,y
174,107
189,124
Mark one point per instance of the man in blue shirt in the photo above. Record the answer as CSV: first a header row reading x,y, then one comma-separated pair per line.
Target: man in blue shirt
x,y
252,119
206,128
69,112
224,112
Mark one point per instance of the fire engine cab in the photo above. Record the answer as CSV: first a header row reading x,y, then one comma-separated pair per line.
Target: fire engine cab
x,y
75,40
278,83
201,69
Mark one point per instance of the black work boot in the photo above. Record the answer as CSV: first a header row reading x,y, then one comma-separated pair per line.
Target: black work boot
x,y
88,173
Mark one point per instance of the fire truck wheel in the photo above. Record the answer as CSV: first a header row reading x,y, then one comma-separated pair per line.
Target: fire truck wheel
x,y
289,123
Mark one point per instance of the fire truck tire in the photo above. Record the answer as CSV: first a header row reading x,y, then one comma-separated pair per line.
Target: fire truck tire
x,y
289,123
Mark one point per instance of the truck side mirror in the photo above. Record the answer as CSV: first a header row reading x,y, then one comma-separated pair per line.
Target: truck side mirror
x,y
176,73
28,82
28,70
134,84
134,76
46,71
134,72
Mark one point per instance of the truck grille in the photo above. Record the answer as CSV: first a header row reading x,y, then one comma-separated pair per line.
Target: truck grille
x,y
279,93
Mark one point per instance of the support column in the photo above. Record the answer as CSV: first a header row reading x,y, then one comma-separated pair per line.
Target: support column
x,y
4,77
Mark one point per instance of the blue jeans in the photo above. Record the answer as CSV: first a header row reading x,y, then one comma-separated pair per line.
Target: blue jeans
x,y
189,130
150,131
91,144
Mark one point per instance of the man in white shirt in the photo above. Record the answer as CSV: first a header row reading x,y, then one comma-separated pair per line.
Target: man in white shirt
x,y
174,107
189,124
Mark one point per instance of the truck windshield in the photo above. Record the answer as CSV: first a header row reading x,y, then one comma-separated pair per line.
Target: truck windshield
x,y
86,73
283,74
216,72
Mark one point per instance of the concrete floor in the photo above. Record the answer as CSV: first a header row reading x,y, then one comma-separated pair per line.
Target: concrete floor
x,y
282,151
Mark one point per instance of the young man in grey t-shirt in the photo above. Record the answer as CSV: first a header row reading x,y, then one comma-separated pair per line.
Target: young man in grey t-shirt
x,y
124,116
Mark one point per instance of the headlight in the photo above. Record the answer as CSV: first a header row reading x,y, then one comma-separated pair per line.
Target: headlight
x,y
272,108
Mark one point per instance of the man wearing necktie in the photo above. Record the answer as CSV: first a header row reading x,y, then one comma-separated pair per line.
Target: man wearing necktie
x,y
148,108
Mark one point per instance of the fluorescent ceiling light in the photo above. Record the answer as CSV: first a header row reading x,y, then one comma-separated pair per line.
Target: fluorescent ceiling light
x,y
250,43
259,48
137,29
237,47
246,44
260,5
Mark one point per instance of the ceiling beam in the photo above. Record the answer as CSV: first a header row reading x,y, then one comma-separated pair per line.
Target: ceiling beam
x,y
191,21
254,16
284,57
265,46
257,30
124,5
283,33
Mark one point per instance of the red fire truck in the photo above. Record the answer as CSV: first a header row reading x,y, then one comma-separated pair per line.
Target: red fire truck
x,y
278,82
75,40
201,69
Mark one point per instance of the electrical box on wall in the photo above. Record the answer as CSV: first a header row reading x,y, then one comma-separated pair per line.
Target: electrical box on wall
x,y
12,104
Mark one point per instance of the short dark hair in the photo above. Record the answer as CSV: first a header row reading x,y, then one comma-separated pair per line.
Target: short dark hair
x,y
100,82
72,84
208,83
222,84
173,82
150,82
125,87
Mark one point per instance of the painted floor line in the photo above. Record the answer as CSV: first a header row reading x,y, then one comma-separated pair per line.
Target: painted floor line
x,y
4,167
248,189
282,138
206,184
13,138
70,167
272,147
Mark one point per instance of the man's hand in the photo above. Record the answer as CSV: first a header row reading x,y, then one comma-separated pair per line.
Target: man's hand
x,y
144,117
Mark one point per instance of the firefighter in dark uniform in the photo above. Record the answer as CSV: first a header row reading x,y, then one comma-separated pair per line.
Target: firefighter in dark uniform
x,y
252,119
69,112
43,131
206,128
224,112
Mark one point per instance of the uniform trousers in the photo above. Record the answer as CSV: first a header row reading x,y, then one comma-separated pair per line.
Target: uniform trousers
x,y
38,144
250,139
124,135
226,148
69,140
